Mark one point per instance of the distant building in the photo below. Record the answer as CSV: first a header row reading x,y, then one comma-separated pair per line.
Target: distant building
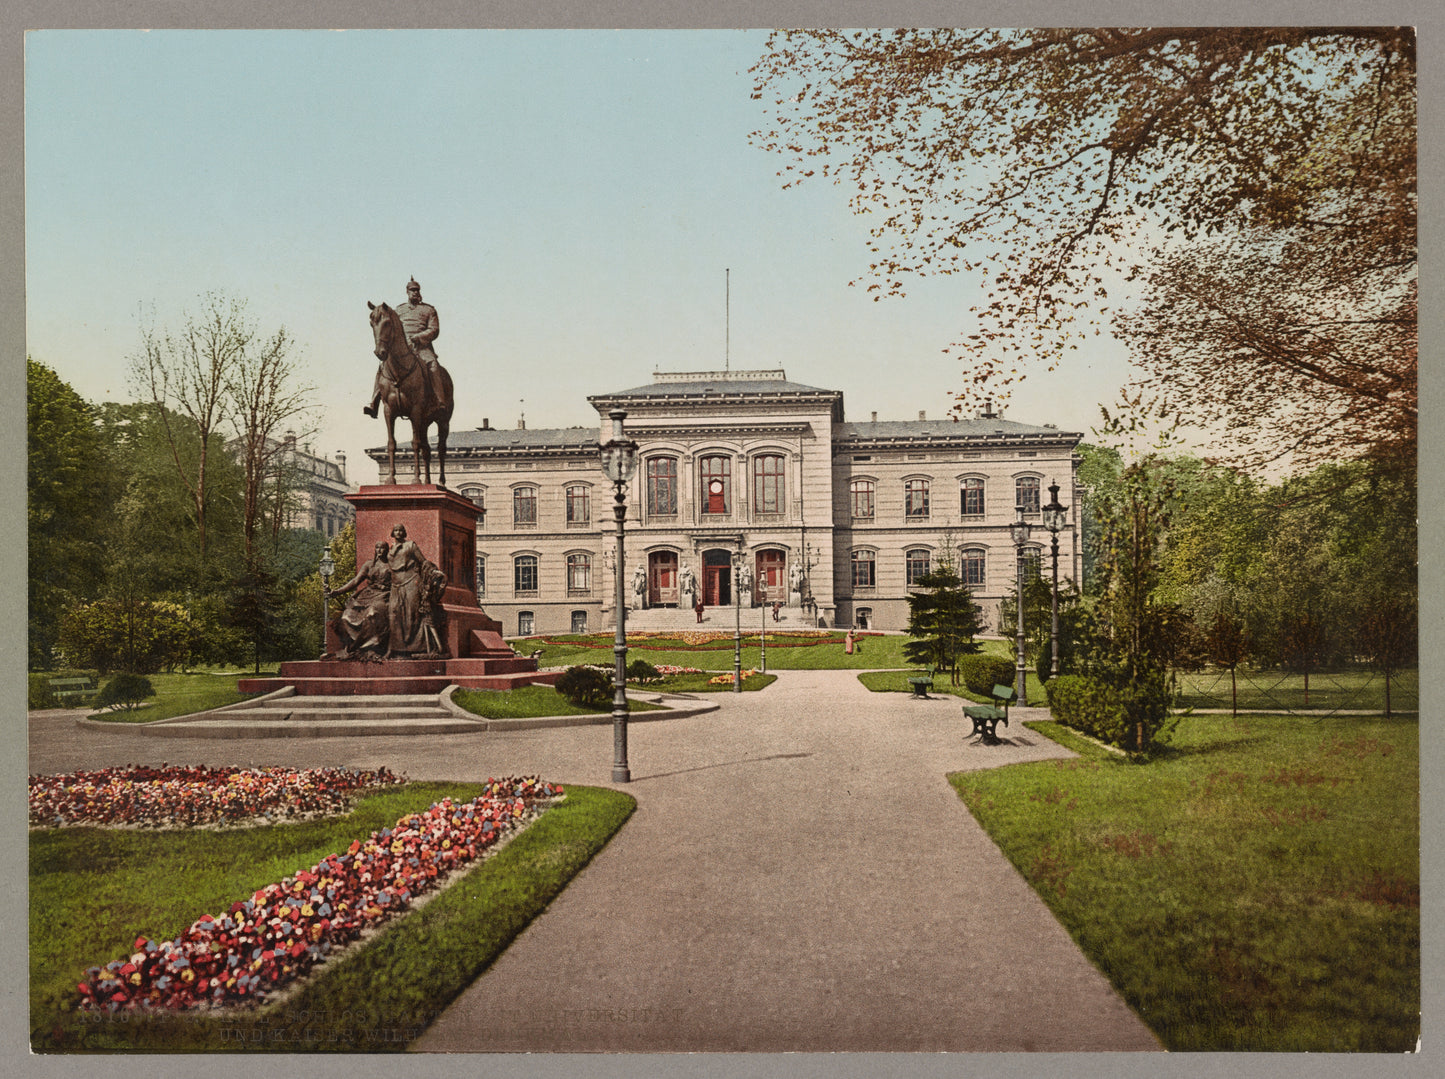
x,y
317,487
747,460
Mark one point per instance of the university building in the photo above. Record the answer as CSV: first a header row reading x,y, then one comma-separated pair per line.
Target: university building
x,y
748,462
315,486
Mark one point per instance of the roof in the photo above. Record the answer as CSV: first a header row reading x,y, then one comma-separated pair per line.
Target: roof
x,y
500,440
990,428
718,387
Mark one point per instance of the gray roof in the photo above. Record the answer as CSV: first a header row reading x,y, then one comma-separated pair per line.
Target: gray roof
x,y
994,427
716,387
501,438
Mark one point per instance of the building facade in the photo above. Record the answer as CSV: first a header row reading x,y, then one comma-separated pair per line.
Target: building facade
x,y
837,518
315,487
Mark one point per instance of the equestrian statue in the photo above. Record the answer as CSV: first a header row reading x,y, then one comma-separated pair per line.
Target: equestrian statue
x,y
410,382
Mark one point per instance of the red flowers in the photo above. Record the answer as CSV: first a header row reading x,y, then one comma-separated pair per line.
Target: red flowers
x,y
286,928
179,797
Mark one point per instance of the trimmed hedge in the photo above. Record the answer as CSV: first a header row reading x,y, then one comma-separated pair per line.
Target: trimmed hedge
x,y
1129,715
981,673
125,690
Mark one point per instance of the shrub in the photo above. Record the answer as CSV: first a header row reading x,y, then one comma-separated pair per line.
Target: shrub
x,y
1130,715
125,690
136,635
639,670
39,695
982,673
586,687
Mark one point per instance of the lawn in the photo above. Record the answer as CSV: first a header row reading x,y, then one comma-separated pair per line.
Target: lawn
x,y
93,891
784,652
530,702
1256,888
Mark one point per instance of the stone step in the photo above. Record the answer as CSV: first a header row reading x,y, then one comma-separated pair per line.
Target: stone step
x,y
239,725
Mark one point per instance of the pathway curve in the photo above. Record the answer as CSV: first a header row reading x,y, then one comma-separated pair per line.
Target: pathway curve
x,y
798,876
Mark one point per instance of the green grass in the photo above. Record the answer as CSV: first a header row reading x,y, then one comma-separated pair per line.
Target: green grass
x,y
699,683
181,695
1256,888
531,702
783,653
1280,690
897,682
93,891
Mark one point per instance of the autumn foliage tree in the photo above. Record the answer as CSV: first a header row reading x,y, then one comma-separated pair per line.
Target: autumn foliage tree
x,y
1054,163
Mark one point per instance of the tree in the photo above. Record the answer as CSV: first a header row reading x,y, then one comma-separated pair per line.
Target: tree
x,y
1387,636
70,485
1047,160
942,621
1227,644
218,371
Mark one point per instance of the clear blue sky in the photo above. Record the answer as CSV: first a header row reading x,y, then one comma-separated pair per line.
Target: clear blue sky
x,y
569,201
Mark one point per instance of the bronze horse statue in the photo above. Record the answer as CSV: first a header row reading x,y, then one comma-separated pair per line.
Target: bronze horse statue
x,y
407,391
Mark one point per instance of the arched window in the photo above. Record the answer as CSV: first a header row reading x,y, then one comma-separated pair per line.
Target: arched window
x,y
524,574
478,497
579,506
915,564
861,495
661,486
579,572
715,472
970,498
1026,493
579,621
972,566
915,499
524,506
768,492
1028,561
864,569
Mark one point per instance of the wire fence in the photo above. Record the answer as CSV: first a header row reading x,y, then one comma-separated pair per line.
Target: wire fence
x,y
1323,693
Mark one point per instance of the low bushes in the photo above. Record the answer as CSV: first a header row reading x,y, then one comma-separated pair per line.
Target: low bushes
x,y
1128,714
125,691
982,672
586,687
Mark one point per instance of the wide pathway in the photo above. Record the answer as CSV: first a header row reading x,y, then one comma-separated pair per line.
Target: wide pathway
x,y
798,876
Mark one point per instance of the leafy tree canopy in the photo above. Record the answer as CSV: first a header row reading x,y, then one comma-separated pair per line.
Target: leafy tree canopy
x,y
1048,160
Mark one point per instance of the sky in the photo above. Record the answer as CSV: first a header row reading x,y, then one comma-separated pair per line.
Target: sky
x,y
582,208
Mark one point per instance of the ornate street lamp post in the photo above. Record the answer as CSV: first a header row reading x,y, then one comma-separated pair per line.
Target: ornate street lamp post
x,y
1019,530
327,568
1055,518
619,461
738,618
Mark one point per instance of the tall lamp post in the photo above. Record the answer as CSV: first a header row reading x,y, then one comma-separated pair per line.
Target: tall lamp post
x,y
328,567
738,618
619,461
1019,530
1055,518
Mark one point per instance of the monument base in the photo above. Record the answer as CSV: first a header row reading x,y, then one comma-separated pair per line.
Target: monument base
x,y
358,678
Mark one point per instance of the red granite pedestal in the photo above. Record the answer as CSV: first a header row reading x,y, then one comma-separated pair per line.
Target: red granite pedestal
x,y
443,524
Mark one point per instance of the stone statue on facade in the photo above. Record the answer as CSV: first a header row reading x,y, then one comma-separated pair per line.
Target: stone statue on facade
x,y
410,383
687,587
416,589
795,585
639,588
364,624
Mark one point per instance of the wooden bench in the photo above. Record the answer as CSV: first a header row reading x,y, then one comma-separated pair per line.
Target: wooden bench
x,y
987,717
80,689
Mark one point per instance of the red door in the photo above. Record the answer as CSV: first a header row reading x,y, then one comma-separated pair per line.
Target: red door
x,y
662,578
717,577
771,575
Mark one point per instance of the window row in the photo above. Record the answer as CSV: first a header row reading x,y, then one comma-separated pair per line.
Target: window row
x,y
715,484
577,499
526,578
916,505
972,565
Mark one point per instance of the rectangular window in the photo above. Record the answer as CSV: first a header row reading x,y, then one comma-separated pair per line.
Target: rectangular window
x,y
524,506
915,500
662,486
970,498
524,624
481,576
768,483
972,567
861,492
1028,562
579,573
916,564
579,506
525,573
1027,498
863,575
716,475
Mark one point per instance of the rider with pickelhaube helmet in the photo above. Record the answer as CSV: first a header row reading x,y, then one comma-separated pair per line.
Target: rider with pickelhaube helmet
x,y
419,320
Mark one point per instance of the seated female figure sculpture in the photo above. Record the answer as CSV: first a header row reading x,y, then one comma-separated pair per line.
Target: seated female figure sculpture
x,y
364,625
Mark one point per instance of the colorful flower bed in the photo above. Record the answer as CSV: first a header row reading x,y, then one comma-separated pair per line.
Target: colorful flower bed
x,y
285,929
727,679
180,797
713,640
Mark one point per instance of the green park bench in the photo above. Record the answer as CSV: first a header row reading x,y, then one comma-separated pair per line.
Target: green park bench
x,y
921,684
987,717
79,690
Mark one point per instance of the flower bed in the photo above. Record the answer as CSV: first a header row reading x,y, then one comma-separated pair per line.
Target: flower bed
x,y
264,943
727,679
715,640
180,797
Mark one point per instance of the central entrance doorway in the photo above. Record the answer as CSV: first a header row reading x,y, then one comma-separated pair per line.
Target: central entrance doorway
x,y
771,575
662,579
717,578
